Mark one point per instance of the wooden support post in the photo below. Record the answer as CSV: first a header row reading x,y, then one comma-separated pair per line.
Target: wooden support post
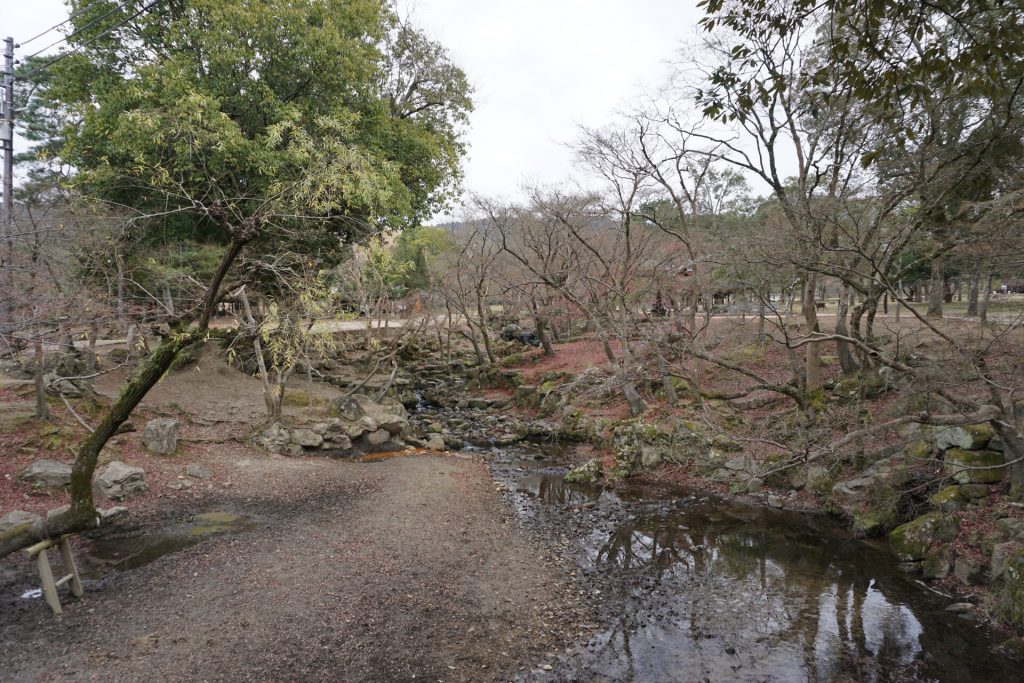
x,y
46,573
70,568
46,577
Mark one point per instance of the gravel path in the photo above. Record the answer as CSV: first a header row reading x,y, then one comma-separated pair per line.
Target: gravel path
x,y
405,569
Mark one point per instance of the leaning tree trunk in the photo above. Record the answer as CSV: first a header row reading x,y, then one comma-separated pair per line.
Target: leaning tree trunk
x,y
972,295
81,514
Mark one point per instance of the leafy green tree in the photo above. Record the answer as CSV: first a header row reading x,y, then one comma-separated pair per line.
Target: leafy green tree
x,y
267,127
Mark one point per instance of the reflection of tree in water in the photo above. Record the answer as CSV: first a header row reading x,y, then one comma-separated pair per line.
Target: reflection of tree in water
x,y
552,489
775,585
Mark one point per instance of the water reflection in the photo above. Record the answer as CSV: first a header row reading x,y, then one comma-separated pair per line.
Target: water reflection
x,y
713,591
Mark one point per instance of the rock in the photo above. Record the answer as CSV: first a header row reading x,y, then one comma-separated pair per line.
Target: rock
x,y
959,608
936,565
307,438
909,567
969,571
435,442
161,435
1010,592
319,427
435,428
1001,554
968,437
957,459
818,479
754,485
180,484
47,473
339,442
506,439
973,491
947,499
919,450
117,480
59,386
1013,527
15,519
378,438
274,438
911,541
775,501
589,472
737,464
388,414
198,471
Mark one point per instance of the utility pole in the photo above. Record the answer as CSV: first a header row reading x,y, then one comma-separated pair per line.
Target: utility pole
x,y
7,139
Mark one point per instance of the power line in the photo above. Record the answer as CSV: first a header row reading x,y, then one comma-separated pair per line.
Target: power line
x,y
117,8
54,28
92,40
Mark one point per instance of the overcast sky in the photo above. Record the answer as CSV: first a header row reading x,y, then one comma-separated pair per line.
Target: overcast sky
x,y
540,68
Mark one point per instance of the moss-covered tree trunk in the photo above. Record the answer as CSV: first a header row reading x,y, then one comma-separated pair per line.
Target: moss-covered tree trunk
x,y
82,513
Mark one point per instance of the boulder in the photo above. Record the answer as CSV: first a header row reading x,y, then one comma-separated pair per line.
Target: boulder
x,y
275,438
435,442
16,518
388,414
969,571
1001,555
589,472
307,438
118,480
161,435
969,437
911,541
47,473
378,438
198,471
958,459
338,442
59,386
947,499
936,565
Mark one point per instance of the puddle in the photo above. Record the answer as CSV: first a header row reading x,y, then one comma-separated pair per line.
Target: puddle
x,y
693,588
121,554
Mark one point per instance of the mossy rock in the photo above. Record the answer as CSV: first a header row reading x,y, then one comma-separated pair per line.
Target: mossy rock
x,y
1010,594
918,450
969,437
947,499
589,472
936,565
874,521
911,541
526,396
957,459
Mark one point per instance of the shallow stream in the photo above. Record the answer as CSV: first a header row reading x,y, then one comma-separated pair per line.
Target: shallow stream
x,y
694,588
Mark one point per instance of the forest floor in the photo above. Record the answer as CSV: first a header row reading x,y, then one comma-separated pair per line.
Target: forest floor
x,y
405,568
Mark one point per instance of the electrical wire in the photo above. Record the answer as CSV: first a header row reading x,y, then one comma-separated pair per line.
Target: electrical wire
x,y
89,42
117,8
54,28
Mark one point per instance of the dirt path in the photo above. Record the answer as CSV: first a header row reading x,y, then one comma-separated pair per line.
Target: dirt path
x,y
405,569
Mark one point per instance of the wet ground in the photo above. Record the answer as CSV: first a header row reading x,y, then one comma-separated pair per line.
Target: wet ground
x,y
684,587
694,588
